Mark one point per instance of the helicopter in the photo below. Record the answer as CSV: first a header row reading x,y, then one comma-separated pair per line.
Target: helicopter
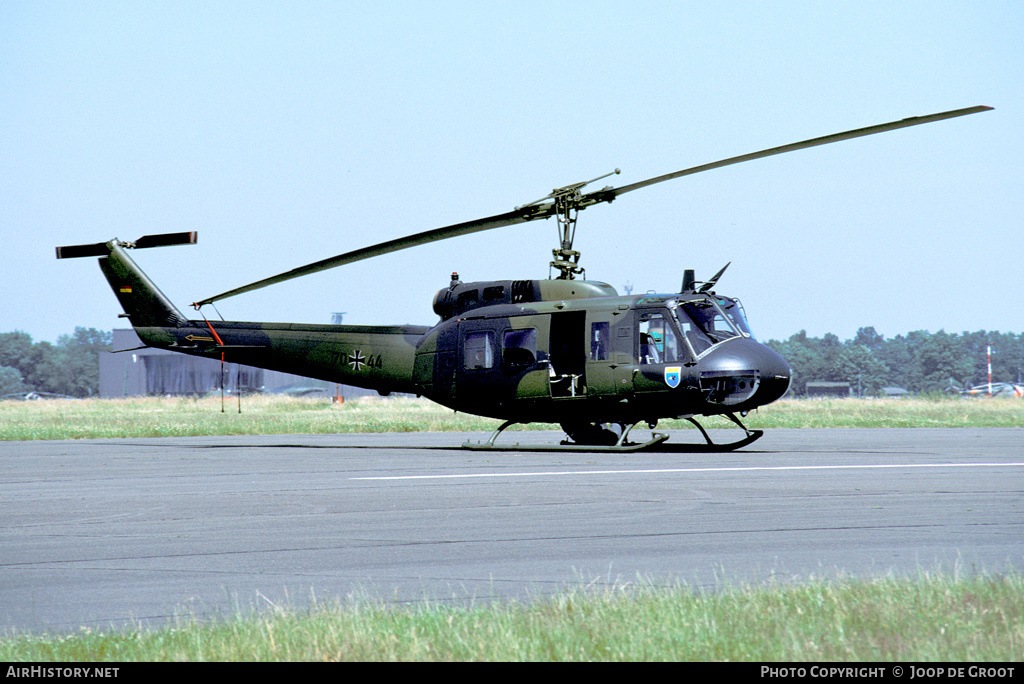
x,y
989,389
563,350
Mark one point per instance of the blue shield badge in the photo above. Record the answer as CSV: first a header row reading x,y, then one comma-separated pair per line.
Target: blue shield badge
x,y
672,376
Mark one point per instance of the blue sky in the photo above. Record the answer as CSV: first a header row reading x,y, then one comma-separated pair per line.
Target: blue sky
x,y
285,133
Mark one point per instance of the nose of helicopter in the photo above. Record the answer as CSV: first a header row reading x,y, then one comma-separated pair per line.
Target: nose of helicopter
x,y
744,371
775,375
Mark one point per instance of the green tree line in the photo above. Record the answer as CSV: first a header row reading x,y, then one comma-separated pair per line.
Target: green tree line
x,y
70,367
918,362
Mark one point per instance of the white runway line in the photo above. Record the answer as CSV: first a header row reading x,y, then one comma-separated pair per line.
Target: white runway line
x,y
557,473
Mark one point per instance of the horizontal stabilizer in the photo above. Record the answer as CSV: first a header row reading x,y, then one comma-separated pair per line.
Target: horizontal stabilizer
x,y
103,248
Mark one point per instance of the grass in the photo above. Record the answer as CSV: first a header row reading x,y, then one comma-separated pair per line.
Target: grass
x,y
931,618
179,417
937,411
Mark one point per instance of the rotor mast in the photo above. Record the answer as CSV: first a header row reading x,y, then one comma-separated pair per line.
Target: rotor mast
x,y
566,258
566,203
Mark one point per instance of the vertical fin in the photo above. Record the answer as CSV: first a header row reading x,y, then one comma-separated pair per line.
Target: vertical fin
x,y
143,302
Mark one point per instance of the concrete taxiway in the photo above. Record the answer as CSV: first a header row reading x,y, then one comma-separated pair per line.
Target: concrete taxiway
x,y
101,533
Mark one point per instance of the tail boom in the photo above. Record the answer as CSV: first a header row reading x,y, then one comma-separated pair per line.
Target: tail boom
x,y
372,357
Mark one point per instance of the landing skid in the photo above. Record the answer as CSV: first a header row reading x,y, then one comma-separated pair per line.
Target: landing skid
x,y
622,446
751,436
656,443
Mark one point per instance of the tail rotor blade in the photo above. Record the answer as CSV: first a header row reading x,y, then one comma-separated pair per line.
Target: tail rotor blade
x,y
76,251
166,240
103,248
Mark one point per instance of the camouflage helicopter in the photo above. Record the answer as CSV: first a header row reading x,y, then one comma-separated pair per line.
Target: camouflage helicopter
x,y
560,350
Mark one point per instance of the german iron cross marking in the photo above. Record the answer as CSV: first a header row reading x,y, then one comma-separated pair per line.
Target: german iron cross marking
x,y
356,360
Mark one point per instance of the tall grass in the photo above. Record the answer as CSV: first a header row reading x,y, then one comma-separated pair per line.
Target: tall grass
x,y
930,618
175,417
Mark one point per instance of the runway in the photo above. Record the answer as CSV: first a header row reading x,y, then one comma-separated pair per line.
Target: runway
x,y
107,533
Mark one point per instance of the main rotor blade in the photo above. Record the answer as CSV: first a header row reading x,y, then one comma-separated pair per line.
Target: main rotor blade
x,y
521,215
610,194
546,210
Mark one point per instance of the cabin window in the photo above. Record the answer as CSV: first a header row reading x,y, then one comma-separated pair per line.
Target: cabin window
x,y
519,349
467,299
704,324
658,340
600,340
479,350
734,310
